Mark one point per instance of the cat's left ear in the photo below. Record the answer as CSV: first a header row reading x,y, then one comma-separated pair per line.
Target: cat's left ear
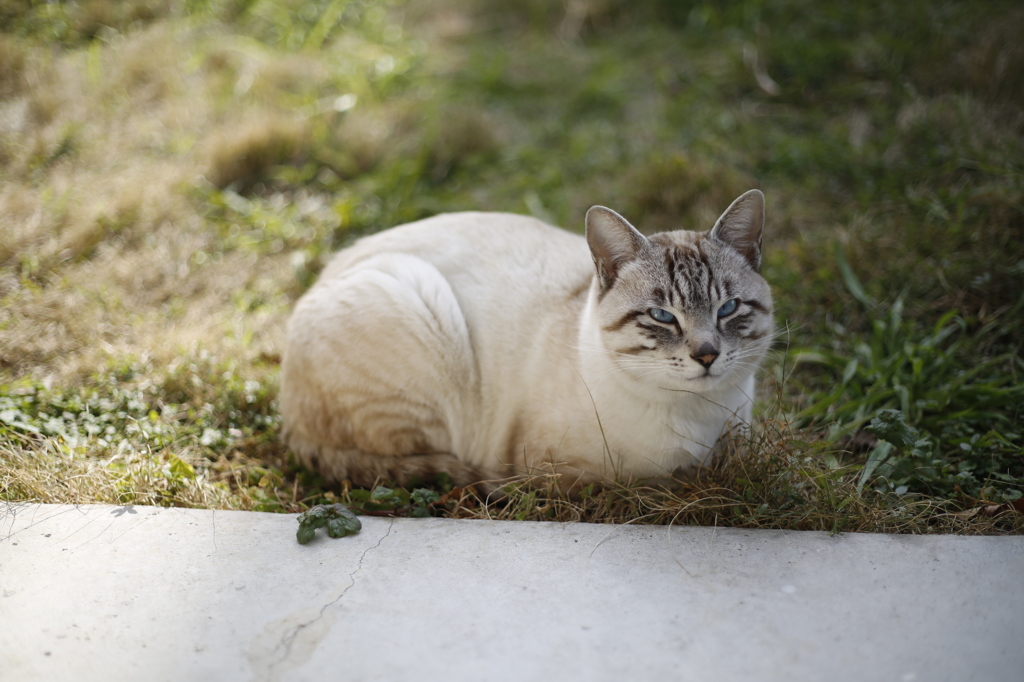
x,y
741,226
613,243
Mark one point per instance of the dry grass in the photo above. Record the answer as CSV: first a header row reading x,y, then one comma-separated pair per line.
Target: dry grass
x,y
101,240
776,482
677,191
12,66
245,153
44,473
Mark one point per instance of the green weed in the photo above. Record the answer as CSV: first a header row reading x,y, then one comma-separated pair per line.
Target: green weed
x,y
965,413
339,520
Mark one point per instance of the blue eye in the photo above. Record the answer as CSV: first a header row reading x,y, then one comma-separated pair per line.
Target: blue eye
x,y
661,315
728,308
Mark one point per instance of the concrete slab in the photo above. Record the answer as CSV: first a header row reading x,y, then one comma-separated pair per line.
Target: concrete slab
x,y
132,593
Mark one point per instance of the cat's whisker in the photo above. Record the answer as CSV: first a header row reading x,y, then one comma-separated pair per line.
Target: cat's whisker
x,y
745,362
755,369
748,354
740,358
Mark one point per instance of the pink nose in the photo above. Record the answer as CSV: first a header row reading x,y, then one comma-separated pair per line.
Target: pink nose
x,y
705,355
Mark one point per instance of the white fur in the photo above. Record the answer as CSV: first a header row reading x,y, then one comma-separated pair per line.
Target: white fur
x,y
481,330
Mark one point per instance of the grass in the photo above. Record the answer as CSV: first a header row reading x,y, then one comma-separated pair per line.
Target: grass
x,y
174,175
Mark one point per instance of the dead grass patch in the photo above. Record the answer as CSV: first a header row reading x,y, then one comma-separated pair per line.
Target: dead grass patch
x,y
462,133
369,133
43,473
678,191
13,56
294,75
779,479
92,17
146,67
993,65
242,155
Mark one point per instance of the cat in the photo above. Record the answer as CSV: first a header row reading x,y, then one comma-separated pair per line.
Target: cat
x,y
490,345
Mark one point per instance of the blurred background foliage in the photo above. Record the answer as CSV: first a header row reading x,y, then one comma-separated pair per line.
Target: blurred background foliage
x,y
174,174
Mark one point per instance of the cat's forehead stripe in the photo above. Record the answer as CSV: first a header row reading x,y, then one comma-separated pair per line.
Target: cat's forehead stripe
x,y
689,271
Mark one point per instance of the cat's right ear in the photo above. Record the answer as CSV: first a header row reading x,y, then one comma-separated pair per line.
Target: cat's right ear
x,y
741,227
613,243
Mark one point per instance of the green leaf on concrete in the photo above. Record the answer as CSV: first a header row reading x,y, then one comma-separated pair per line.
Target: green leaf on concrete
x,y
344,523
340,521
305,534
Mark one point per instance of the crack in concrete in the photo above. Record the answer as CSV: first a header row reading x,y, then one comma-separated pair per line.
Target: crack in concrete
x,y
287,642
352,575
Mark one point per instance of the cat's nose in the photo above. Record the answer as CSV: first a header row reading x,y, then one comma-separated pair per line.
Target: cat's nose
x,y
705,355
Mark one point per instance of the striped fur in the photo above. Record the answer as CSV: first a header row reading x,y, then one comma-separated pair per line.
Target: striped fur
x,y
490,345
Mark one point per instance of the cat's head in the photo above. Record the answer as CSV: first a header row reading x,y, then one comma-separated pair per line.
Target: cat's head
x,y
683,310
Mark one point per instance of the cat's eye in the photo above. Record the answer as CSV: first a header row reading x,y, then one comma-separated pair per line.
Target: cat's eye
x,y
729,307
661,315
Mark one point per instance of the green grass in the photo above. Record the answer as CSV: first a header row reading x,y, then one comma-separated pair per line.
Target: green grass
x,y
965,414
174,175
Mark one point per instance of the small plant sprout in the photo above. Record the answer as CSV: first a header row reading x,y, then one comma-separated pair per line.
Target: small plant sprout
x,y
337,517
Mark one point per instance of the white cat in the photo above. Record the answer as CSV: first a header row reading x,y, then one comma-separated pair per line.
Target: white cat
x,y
487,345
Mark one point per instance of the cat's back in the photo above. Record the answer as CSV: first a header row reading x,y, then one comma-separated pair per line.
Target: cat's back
x,y
481,248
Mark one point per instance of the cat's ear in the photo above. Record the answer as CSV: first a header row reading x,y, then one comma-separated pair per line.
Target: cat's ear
x,y
741,225
613,243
